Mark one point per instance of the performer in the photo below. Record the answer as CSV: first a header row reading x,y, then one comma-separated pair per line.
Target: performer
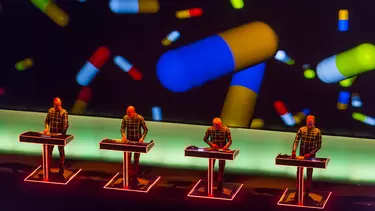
x,y
220,138
56,122
131,131
311,142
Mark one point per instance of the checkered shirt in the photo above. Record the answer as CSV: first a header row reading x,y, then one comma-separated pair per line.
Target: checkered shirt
x,y
57,121
219,137
311,140
133,127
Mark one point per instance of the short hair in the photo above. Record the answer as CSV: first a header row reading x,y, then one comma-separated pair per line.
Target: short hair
x,y
130,108
216,120
310,117
55,99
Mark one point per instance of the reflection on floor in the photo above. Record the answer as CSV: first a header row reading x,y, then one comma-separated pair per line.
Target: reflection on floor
x,y
86,192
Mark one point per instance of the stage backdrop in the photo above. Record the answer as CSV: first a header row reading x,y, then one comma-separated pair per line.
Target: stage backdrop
x,y
264,64
351,158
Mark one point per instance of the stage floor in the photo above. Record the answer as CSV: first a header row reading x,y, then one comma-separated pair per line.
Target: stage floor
x,y
85,192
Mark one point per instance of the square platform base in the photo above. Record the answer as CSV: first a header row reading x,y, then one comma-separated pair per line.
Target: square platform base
x,y
145,183
315,199
54,177
230,191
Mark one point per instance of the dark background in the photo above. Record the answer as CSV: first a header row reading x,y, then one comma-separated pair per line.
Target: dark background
x,y
307,31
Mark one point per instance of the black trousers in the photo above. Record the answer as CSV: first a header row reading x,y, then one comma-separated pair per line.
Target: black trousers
x,y
220,175
309,174
62,155
134,169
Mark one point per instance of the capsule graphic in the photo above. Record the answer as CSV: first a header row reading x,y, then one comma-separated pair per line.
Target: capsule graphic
x,y
285,115
2,91
356,100
134,6
237,4
24,64
284,58
308,72
52,11
171,37
156,113
83,99
126,66
184,68
300,116
363,118
257,123
91,68
241,97
193,12
343,23
347,64
343,101
348,82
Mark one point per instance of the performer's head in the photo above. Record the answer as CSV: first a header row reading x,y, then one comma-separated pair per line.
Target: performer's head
x,y
130,111
57,103
217,123
310,121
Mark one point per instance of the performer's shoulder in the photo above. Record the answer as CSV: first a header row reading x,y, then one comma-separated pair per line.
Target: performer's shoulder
x,y
140,117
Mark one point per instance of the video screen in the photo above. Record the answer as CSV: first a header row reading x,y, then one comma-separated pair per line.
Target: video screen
x,y
254,63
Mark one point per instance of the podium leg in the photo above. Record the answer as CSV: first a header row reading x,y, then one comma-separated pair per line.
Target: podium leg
x,y
210,177
300,181
45,163
125,170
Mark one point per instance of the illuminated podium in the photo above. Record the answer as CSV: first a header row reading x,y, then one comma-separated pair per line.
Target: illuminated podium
x,y
42,174
316,199
121,181
205,189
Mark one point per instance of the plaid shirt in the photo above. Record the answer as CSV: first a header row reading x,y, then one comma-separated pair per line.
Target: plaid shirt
x,y
219,137
133,127
311,140
57,121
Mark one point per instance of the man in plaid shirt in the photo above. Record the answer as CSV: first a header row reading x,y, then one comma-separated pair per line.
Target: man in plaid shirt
x,y
220,138
56,122
131,126
311,142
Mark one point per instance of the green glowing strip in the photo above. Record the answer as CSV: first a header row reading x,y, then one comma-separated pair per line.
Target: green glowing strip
x,y
351,158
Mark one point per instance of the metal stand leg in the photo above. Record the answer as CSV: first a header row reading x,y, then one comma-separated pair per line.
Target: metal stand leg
x,y
301,187
125,170
45,163
210,177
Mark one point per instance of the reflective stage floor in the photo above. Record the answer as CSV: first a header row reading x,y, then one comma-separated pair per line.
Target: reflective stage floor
x,y
86,192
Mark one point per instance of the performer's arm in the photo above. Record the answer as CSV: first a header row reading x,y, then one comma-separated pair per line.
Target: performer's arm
x,y
123,128
296,140
229,139
144,127
318,144
206,138
65,122
46,122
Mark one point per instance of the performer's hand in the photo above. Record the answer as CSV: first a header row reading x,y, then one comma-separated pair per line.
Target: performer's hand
x,y
123,139
215,146
46,131
293,154
307,156
300,158
225,148
141,140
